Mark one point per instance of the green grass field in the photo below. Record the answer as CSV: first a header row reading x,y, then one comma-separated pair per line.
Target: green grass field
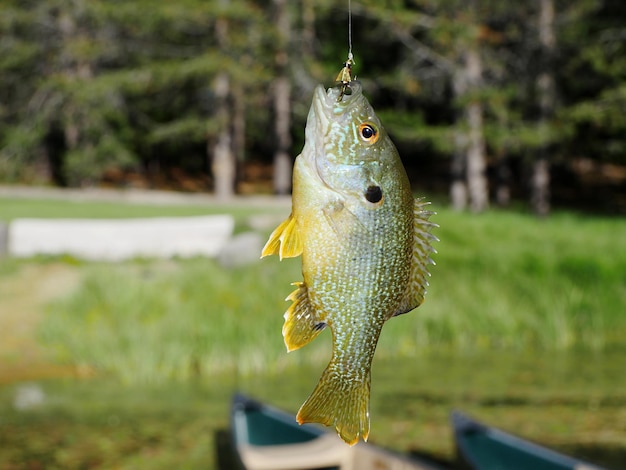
x,y
523,326
502,281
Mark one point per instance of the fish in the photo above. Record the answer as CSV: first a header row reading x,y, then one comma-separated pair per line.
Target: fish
x,y
365,243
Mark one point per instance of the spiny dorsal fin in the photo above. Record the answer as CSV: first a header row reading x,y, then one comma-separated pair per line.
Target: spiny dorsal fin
x,y
284,240
422,249
302,323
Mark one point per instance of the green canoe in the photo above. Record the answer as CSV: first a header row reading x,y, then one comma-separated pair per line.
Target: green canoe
x,y
266,438
482,447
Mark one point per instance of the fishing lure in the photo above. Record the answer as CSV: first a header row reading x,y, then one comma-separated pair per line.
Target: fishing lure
x,y
344,78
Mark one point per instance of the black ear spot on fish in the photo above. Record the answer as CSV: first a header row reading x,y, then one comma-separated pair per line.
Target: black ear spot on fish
x,y
368,133
374,194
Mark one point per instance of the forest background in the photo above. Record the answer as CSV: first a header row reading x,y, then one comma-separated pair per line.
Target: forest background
x,y
488,101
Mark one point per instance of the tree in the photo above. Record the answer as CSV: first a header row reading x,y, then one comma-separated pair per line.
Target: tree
x,y
117,86
592,80
282,102
70,121
471,146
223,162
180,93
546,95
443,44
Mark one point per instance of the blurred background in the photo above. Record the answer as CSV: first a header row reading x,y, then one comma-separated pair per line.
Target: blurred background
x,y
517,102
509,116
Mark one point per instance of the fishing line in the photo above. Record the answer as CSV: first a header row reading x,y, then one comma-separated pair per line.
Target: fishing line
x,y
344,78
350,56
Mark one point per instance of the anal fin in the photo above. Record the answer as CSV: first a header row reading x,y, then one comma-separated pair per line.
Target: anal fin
x,y
302,323
285,241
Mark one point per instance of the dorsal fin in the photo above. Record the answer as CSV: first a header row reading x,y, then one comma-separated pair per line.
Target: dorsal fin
x,y
422,249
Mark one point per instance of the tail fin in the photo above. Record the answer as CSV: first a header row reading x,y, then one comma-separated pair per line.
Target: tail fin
x,y
340,402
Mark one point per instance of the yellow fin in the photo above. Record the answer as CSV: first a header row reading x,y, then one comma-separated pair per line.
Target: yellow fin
x,y
422,249
284,240
340,402
302,324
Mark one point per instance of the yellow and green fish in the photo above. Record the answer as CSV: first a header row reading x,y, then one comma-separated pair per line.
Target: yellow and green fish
x,y
365,244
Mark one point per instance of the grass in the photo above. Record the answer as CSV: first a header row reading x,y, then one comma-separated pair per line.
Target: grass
x,y
507,280
103,425
14,207
160,320
571,402
503,281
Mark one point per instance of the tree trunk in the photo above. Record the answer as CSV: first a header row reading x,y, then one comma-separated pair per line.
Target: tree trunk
x,y
223,164
308,29
239,128
458,188
74,69
502,193
476,160
282,104
540,184
282,160
503,181
468,165
546,94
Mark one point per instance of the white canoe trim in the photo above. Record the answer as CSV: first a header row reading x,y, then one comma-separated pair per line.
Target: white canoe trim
x,y
328,450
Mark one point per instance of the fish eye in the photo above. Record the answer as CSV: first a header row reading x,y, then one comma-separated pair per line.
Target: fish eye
x,y
368,133
374,194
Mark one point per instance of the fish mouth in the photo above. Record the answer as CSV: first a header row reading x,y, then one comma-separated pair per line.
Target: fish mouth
x,y
335,101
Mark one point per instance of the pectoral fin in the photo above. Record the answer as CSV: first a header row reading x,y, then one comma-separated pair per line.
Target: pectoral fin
x,y
285,241
302,323
422,249
343,222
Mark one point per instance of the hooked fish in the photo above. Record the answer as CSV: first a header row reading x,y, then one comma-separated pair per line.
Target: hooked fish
x,y
365,244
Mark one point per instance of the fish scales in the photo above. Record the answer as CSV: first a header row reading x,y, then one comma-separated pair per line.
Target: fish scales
x,y
365,247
